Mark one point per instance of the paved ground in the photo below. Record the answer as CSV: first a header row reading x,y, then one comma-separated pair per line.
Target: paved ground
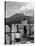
x,y
27,39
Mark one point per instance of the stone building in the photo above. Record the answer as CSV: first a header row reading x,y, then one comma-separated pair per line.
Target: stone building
x,y
17,22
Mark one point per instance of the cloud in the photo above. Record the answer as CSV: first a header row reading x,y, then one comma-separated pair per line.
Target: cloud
x,y
27,10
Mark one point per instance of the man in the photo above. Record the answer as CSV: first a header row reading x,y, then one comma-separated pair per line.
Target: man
x,y
18,37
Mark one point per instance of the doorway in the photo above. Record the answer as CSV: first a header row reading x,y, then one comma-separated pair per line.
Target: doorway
x,y
25,30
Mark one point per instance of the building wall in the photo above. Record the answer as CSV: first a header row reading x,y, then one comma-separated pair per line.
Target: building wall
x,y
24,23
14,28
21,26
7,28
7,36
27,29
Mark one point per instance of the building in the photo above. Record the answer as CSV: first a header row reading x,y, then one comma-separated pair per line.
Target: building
x,y
17,23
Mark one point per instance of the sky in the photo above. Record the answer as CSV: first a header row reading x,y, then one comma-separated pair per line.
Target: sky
x,y
19,7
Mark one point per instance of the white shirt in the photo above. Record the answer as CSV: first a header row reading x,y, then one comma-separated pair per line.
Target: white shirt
x,y
18,35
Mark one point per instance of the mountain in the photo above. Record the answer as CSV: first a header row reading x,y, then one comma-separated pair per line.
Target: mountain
x,y
17,18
